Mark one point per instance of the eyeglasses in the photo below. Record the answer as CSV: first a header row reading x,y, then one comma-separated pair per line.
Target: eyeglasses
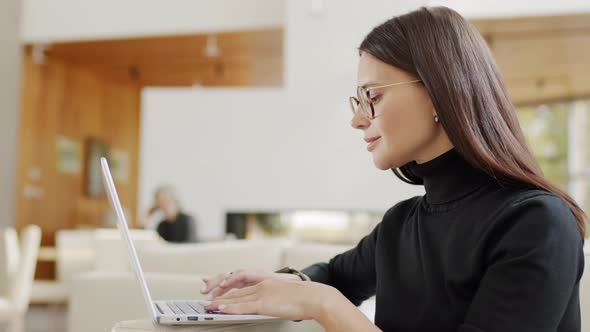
x,y
363,100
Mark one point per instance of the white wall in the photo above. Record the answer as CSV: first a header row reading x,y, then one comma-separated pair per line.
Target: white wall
x,y
59,20
271,149
495,8
10,57
90,19
9,97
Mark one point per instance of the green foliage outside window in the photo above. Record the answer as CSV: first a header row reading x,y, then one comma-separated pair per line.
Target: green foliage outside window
x,y
546,131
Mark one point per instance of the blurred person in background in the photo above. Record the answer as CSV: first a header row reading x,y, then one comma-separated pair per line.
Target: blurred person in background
x,y
172,224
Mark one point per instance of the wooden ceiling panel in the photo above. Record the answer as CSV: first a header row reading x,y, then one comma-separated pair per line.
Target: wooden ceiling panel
x,y
510,27
181,60
551,55
542,58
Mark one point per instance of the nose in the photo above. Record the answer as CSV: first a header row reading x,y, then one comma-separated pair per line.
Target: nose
x,y
360,121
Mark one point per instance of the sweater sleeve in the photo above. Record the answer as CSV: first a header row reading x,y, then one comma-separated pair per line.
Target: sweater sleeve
x,y
191,229
534,265
352,272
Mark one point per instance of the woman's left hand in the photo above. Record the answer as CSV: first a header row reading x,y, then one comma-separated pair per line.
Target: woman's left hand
x,y
293,300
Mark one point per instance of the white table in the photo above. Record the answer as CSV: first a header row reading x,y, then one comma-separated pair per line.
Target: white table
x,y
282,326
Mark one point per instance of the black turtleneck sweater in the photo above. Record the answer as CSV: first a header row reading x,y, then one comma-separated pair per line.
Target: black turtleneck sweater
x,y
471,255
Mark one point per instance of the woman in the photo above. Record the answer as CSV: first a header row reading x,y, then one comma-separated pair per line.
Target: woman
x,y
492,246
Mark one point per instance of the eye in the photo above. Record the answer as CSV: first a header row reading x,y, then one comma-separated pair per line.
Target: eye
x,y
375,98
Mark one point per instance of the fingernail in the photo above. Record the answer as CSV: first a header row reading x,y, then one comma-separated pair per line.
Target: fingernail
x,y
207,303
222,283
221,307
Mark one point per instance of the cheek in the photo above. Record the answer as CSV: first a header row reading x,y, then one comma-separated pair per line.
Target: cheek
x,y
405,131
398,127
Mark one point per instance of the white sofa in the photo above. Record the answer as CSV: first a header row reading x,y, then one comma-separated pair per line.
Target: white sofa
x,y
109,294
78,251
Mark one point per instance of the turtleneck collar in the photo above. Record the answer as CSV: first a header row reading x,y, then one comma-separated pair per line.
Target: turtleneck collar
x,y
448,177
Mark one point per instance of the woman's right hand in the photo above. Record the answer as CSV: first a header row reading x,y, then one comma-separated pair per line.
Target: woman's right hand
x,y
152,210
220,284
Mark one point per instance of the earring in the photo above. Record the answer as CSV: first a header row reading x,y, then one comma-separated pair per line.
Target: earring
x,y
436,118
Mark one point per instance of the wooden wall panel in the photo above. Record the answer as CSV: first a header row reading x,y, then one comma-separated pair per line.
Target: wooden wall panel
x,y
64,100
28,147
121,124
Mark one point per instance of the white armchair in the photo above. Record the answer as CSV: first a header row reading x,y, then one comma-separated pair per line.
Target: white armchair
x,y
10,257
79,251
100,299
14,306
74,253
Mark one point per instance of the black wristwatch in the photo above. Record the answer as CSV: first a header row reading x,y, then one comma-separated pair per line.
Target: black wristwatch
x,y
290,270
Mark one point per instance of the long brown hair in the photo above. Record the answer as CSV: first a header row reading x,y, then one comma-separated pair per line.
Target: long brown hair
x,y
448,54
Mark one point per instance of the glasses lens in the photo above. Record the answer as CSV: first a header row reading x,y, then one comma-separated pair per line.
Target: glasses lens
x,y
363,101
354,104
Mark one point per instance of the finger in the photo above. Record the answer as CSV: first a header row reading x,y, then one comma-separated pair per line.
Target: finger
x,y
213,282
213,305
208,282
240,308
238,279
221,290
207,285
230,283
237,293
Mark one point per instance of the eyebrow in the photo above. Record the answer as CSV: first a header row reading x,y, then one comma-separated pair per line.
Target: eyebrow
x,y
370,84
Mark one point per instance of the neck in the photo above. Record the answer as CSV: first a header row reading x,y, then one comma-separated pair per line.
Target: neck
x,y
443,144
448,177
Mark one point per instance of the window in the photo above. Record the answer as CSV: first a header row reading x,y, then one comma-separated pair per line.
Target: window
x,y
559,137
326,226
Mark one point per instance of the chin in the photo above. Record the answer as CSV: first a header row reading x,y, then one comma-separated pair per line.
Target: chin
x,y
385,164
381,164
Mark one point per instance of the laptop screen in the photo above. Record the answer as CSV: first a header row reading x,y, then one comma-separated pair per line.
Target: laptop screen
x,y
124,229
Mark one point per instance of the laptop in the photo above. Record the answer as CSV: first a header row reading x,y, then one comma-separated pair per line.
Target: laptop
x,y
170,312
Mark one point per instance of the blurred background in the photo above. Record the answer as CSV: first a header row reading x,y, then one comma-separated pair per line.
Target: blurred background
x,y
240,106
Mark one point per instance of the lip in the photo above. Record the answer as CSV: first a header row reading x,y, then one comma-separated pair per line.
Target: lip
x,y
372,142
372,139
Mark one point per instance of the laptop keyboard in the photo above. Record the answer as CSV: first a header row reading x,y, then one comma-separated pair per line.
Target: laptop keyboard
x,y
188,308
